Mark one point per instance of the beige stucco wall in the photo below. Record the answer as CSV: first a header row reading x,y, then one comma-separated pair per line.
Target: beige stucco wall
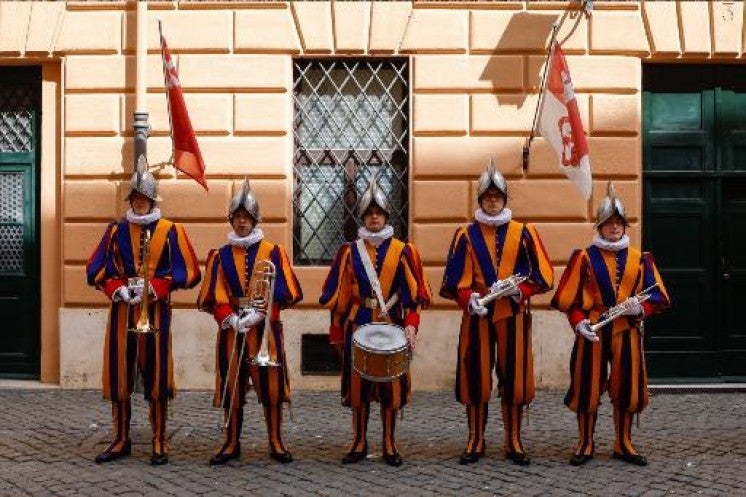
x,y
475,70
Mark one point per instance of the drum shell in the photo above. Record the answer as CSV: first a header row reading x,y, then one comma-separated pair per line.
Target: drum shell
x,y
379,365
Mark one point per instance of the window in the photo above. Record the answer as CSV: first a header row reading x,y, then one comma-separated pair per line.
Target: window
x,y
351,126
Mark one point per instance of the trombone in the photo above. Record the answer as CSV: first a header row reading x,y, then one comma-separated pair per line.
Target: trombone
x,y
261,296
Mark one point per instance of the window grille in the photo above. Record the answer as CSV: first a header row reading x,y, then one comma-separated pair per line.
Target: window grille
x,y
351,126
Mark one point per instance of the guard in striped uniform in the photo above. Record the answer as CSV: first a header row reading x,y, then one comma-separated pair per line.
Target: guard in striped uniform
x,y
607,273
482,258
353,301
227,287
173,265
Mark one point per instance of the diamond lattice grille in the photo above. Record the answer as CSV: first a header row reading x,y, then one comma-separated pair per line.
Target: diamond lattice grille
x,y
16,124
351,127
11,222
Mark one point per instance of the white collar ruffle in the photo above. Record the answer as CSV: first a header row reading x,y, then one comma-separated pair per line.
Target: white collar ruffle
x,y
247,241
144,219
503,217
376,238
605,244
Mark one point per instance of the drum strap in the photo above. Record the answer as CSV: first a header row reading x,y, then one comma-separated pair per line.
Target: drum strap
x,y
373,278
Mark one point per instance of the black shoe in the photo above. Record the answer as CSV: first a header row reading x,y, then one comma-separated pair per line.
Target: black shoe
x,y
519,458
636,459
223,457
353,457
283,457
159,459
393,459
580,459
110,455
469,457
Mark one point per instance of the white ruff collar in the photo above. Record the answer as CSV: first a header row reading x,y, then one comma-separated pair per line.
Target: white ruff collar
x,y
503,217
247,241
145,219
378,238
605,244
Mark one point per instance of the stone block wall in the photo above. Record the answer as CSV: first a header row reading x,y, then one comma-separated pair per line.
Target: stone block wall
x,y
475,72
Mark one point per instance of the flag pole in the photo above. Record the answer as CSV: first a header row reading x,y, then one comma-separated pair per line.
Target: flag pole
x,y
168,95
542,86
140,125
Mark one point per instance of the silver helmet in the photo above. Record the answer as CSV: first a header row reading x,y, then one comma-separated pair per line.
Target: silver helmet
x,y
247,200
143,181
373,195
610,205
491,177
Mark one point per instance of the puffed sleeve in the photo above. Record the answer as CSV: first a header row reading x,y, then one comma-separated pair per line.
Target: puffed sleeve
x,y
459,271
213,294
534,262
184,271
414,289
287,287
659,299
103,269
573,295
336,294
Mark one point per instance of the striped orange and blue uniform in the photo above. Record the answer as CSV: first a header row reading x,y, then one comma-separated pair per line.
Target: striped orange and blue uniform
x,y
173,265
225,278
399,269
479,255
594,280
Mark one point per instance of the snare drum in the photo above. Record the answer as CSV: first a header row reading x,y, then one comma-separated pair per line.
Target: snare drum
x,y
380,352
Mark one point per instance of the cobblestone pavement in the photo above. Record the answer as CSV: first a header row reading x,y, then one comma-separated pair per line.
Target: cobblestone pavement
x,y
696,444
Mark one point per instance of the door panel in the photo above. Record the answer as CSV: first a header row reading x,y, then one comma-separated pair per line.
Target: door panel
x,y
694,217
19,247
734,264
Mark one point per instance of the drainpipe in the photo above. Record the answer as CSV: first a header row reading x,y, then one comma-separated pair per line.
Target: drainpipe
x,y
140,125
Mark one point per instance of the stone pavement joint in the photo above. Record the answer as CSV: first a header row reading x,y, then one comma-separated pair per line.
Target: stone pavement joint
x,y
696,444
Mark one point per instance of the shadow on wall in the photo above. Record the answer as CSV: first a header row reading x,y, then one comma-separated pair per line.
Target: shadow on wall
x,y
526,34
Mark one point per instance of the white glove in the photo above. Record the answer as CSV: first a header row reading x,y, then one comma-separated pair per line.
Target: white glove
x,y
632,307
138,290
233,321
411,335
583,329
250,318
121,294
475,307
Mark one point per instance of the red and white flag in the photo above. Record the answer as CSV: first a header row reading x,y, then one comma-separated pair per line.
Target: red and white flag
x,y
187,157
560,123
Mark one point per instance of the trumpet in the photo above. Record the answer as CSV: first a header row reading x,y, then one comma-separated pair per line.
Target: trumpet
x,y
618,310
262,297
503,287
143,281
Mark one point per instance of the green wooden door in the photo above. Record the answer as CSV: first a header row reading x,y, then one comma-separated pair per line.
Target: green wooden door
x,y
19,247
694,217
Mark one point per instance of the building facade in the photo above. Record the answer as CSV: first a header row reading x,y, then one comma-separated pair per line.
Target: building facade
x,y
312,99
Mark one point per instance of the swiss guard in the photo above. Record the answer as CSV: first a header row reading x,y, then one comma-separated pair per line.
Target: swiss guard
x,y
495,265
246,279
619,285
376,279
141,248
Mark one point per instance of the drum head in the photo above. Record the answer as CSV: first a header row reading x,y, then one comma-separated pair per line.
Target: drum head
x,y
380,336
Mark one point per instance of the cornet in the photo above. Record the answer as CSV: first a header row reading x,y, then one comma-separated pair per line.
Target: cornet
x,y
618,310
143,280
504,287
